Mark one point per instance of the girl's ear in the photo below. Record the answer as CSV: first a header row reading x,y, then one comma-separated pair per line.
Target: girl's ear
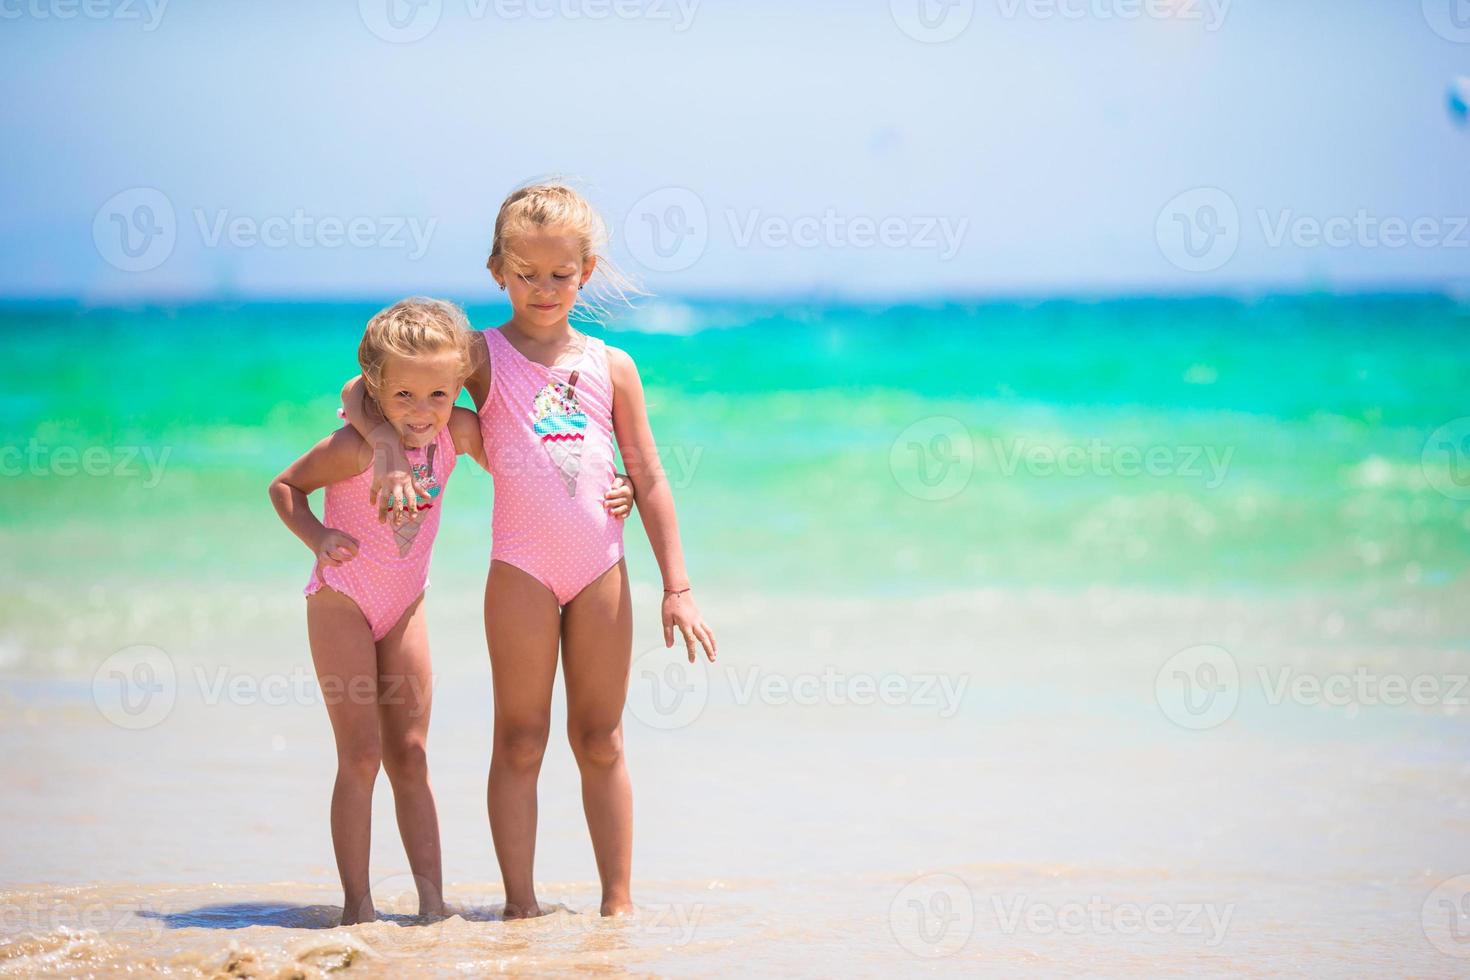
x,y
496,264
588,265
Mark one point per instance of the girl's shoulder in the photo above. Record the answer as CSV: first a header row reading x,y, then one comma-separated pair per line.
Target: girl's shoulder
x,y
339,456
346,449
620,362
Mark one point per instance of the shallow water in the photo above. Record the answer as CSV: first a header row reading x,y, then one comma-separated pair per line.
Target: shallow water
x,y
1048,814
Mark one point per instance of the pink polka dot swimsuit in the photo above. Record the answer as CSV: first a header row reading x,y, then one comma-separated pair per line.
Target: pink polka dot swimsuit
x,y
552,461
391,569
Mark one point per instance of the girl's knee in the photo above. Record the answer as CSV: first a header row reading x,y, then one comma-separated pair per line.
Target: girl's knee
x,y
521,746
599,747
360,760
406,760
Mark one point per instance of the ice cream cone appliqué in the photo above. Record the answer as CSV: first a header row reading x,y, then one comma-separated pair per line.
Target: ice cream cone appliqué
x,y
562,425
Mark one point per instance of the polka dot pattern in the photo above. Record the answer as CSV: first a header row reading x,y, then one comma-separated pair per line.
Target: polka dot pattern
x,y
391,569
551,466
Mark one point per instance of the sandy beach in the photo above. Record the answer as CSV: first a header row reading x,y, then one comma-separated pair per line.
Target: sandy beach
x,y
976,783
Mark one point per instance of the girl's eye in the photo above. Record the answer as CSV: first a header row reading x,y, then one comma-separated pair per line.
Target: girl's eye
x,y
402,394
563,275
440,394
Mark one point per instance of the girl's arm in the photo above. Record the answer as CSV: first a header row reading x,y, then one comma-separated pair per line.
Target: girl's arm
x,y
337,457
393,487
478,383
656,504
464,428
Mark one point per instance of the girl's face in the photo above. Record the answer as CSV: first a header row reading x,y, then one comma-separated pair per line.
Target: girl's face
x,y
542,275
418,395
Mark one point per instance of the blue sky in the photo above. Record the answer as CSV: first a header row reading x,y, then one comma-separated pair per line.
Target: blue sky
x,y
737,147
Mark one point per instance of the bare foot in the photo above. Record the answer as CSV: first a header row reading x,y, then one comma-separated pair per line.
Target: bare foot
x,y
529,911
355,913
618,906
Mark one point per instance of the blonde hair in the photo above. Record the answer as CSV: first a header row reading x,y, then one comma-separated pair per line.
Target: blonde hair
x,y
415,327
556,204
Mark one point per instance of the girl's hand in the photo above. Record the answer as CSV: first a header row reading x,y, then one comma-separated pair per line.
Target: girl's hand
x,y
619,498
394,487
335,548
681,610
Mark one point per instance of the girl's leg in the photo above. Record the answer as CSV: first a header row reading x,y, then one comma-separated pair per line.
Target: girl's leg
x,y
405,691
597,648
347,668
522,626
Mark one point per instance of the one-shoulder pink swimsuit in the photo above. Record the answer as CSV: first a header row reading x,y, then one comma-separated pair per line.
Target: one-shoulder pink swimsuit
x,y
391,569
552,461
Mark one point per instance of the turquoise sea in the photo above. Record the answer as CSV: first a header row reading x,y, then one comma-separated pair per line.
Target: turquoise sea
x,y
830,449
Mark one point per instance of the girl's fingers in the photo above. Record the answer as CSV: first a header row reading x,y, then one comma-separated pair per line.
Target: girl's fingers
x,y
668,631
707,640
688,640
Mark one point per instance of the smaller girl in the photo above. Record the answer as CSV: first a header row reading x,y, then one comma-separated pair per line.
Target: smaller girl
x,y
364,612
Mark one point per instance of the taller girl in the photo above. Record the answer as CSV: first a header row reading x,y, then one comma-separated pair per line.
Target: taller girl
x,y
551,402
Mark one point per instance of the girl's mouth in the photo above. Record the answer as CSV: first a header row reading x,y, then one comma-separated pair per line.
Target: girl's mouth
x,y
545,307
417,429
